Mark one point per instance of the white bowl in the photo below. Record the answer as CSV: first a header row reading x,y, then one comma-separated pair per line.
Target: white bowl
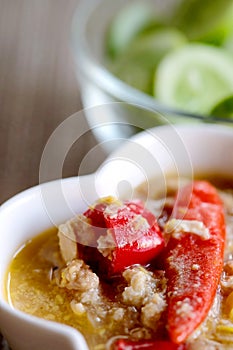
x,y
186,149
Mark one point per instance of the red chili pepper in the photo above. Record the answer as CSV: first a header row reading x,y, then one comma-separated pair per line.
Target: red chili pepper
x,y
193,263
124,344
95,214
136,236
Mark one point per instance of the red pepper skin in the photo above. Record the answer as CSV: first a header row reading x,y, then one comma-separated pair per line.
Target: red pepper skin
x,y
136,234
194,265
137,207
95,214
133,245
124,344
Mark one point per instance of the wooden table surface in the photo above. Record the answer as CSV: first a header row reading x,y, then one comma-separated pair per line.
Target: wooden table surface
x,y
38,90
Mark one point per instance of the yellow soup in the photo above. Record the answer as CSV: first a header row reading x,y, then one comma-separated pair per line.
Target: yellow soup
x,y
40,283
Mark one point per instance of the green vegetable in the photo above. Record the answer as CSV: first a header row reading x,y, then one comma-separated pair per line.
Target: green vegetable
x,y
136,66
194,77
224,108
197,18
183,57
222,33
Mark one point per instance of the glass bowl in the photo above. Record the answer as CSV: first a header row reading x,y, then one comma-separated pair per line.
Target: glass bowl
x,y
121,110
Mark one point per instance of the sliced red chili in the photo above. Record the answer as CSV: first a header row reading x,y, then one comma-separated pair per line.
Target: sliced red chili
x,y
193,263
131,235
95,214
124,344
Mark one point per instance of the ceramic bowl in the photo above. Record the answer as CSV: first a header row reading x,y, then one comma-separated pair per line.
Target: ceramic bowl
x,y
186,149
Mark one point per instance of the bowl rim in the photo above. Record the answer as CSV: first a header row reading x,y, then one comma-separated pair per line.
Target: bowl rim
x,y
103,78
34,196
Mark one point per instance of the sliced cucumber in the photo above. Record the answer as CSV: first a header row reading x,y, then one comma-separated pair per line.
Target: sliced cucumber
x,y
138,63
194,77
